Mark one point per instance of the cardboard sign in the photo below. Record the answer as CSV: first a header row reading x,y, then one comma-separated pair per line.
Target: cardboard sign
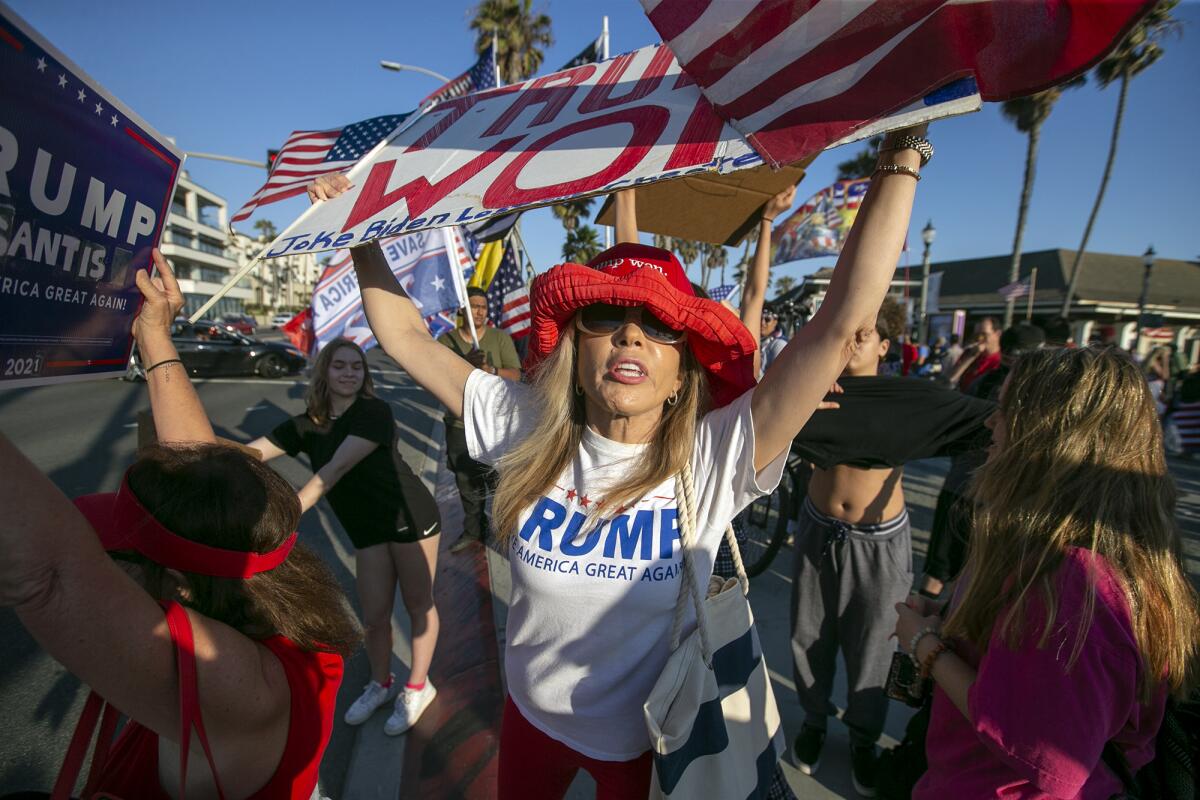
x,y
630,121
593,129
85,187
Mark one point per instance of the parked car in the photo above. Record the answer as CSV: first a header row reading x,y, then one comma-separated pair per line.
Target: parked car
x,y
241,323
212,349
279,320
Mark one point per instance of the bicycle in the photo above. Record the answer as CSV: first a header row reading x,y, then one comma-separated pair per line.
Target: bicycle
x,y
770,520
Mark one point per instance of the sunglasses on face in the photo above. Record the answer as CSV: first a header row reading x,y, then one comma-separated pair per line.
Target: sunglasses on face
x,y
602,319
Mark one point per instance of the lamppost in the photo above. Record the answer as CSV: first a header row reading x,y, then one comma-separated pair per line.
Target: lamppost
x,y
927,235
1148,261
394,67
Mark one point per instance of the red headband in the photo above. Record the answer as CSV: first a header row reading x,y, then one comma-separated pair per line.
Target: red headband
x,y
123,523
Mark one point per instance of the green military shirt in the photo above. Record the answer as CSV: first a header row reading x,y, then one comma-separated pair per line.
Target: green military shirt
x,y
498,345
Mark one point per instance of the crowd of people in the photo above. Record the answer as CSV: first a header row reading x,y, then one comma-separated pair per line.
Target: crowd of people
x,y
1053,619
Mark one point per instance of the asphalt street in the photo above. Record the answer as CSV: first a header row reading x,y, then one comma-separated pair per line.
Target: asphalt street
x,y
84,435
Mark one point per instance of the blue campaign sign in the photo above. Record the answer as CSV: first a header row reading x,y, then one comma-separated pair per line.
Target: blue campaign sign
x,y
85,188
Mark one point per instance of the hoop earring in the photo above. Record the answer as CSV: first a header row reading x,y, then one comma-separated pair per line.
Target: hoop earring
x,y
673,399
578,390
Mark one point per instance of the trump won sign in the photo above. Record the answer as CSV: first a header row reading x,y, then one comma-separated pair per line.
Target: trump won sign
x,y
85,186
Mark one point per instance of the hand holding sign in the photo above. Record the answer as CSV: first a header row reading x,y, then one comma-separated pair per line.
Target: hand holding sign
x,y
162,300
328,187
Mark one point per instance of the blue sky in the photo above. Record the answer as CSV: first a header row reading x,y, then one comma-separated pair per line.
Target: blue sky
x,y
236,78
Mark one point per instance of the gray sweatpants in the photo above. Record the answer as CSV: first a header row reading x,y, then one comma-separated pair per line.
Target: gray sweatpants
x,y
845,585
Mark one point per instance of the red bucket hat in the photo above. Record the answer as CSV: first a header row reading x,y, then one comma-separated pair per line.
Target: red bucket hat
x,y
123,523
639,275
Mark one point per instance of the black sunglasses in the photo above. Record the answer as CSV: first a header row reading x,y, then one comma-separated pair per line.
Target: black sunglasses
x,y
602,319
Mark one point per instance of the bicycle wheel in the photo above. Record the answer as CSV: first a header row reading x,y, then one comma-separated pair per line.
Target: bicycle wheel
x,y
765,525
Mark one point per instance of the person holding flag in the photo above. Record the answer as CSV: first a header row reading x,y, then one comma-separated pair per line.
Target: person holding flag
x,y
491,350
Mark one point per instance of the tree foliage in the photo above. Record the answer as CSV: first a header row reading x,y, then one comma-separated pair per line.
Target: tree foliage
x,y
582,245
520,36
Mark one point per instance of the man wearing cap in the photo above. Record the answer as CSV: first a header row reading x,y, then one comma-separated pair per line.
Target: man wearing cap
x,y
496,355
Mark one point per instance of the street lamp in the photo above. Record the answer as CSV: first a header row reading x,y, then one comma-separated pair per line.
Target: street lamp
x,y
394,67
927,235
1148,261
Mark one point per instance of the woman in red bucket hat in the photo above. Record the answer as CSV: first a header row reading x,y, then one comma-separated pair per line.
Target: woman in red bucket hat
x,y
217,635
634,380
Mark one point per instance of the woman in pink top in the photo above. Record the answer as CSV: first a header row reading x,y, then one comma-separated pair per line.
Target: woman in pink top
x,y
1074,605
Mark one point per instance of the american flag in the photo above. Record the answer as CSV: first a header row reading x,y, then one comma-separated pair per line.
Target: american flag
x,y
723,291
483,74
508,297
495,228
307,155
794,76
1014,290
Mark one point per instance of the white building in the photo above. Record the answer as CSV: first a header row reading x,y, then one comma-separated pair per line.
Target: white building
x,y
195,242
277,284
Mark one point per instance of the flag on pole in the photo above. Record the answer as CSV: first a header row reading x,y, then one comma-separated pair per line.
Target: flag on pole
x,y
1014,290
723,291
299,331
508,297
481,75
794,76
496,228
487,264
425,263
307,155
820,226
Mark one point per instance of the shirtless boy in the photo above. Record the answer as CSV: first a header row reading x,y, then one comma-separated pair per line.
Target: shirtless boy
x,y
853,546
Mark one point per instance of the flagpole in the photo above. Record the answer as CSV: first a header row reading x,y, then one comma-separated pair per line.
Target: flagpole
x,y
1032,290
604,57
401,127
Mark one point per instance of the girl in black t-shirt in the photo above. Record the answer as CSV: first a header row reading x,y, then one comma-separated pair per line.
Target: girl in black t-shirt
x,y
349,436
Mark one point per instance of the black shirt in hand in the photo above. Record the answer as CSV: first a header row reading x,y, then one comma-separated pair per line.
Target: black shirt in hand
x,y
887,421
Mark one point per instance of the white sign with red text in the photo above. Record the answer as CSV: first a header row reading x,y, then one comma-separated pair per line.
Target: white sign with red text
x,y
593,129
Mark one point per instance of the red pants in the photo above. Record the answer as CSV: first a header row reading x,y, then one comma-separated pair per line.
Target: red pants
x,y
535,767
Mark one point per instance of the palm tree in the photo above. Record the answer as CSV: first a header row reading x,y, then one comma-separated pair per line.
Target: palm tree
x,y
1028,114
863,164
1141,48
688,251
713,256
520,36
571,212
266,230
664,242
582,245
783,285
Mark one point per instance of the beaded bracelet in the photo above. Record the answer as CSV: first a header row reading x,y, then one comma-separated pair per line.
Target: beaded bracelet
x,y
927,663
916,639
896,169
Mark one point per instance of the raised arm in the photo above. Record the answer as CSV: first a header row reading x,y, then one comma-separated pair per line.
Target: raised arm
x,y
178,414
755,293
626,204
798,380
92,617
396,322
353,450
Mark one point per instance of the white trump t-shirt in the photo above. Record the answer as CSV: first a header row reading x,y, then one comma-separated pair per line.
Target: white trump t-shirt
x,y
591,609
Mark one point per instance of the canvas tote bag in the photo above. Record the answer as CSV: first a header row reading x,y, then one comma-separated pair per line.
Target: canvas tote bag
x,y
714,727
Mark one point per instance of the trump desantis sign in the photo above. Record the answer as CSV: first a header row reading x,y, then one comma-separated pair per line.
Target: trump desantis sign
x,y
85,187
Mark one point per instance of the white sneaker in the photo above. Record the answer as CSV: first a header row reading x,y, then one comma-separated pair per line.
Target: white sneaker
x,y
410,704
374,695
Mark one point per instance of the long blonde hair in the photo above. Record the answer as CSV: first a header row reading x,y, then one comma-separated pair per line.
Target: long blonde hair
x,y
317,397
530,469
1082,466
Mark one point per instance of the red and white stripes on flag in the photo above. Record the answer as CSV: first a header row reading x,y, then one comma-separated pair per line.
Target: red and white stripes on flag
x,y
307,155
1012,291
794,76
